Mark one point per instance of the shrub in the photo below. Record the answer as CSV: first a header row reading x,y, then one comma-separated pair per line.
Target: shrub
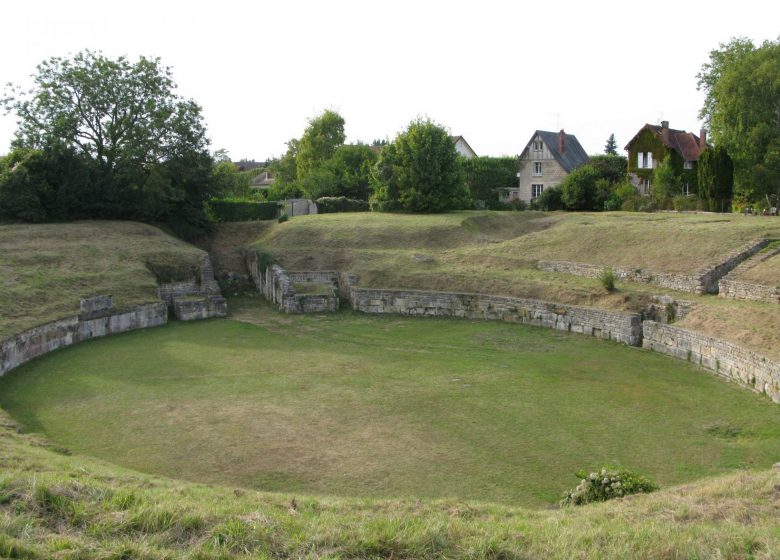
x,y
242,210
550,199
331,204
607,484
682,203
607,279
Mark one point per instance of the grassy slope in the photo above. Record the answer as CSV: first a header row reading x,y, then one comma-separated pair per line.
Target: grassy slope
x,y
55,506
497,253
46,268
356,405
766,272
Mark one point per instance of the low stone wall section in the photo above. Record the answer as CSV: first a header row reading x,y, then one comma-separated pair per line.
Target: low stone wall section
x,y
733,362
702,281
731,286
278,287
39,340
201,284
193,308
594,322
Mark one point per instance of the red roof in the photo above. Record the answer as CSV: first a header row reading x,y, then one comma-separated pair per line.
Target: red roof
x,y
687,144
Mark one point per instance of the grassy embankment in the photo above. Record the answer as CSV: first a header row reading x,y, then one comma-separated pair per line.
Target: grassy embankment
x,y
45,269
58,506
497,253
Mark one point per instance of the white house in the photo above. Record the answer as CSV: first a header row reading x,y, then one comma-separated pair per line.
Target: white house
x,y
462,147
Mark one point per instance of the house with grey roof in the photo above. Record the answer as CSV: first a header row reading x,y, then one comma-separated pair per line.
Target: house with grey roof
x,y
546,160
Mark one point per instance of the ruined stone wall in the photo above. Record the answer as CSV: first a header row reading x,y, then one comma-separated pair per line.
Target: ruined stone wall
x,y
737,289
728,360
594,322
277,286
193,308
704,280
202,284
39,340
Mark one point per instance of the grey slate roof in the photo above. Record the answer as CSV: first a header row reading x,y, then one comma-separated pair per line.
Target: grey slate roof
x,y
574,154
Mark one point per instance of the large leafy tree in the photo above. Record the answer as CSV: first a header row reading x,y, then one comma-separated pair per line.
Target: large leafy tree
x,y
741,83
144,146
319,142
419,172
486,177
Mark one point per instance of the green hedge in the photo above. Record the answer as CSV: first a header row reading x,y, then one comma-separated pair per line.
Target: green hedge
x,y
238,210
331,204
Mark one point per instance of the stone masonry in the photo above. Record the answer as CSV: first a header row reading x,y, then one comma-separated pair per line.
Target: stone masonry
x,y
732,287
704,280
746,367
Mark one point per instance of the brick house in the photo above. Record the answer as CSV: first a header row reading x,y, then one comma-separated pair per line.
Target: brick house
x,y
652,144
546,160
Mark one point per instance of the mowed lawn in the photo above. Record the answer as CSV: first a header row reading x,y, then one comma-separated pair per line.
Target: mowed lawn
x,y
358,405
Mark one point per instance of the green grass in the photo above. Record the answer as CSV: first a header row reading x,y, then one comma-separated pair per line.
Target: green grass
x,y
388,407
45,269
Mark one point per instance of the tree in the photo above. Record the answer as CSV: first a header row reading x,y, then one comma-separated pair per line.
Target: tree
x,y
122,122
715,176
419,172
578,189
487,176
666,182
319,142
741,83
351,168
611,147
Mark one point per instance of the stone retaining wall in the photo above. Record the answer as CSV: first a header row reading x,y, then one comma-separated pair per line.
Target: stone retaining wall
x,y
704,280
736,289
728,360
39,340
193,308
202,284
595,322
277,286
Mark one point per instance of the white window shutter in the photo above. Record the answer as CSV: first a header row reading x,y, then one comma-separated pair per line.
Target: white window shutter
x,y
639,160
650,160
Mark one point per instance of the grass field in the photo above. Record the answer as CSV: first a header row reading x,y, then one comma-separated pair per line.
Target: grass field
x,y
364,406
766,272
45,269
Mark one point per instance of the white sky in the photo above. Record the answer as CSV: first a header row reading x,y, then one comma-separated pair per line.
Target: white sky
x,y
491,71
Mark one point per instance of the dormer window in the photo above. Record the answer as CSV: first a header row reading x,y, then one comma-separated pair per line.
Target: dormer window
x,y
688,165
537,145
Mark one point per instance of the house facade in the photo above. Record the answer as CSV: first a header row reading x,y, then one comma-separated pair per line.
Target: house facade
x,y
652,144
544,163
462,147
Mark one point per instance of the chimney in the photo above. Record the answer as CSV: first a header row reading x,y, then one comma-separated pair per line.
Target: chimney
x,y
703,138
561,142
664,124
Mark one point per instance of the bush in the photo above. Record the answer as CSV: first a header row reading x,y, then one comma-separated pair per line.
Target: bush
x,y
607,484
550,199
682,203
607,279
242,210
332,204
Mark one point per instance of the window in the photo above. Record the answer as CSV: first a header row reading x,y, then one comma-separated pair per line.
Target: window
x,y
688,165
537,169
646,186
536,190
686,190
537,145
644,160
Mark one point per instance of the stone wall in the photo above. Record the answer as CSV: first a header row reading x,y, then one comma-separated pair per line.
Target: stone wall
x,y
202,284
602,324
39,340
736,289
704,280
278,287
733,287
193,307
744,366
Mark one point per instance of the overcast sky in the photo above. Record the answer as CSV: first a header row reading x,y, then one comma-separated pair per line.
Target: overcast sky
x,y
491,71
